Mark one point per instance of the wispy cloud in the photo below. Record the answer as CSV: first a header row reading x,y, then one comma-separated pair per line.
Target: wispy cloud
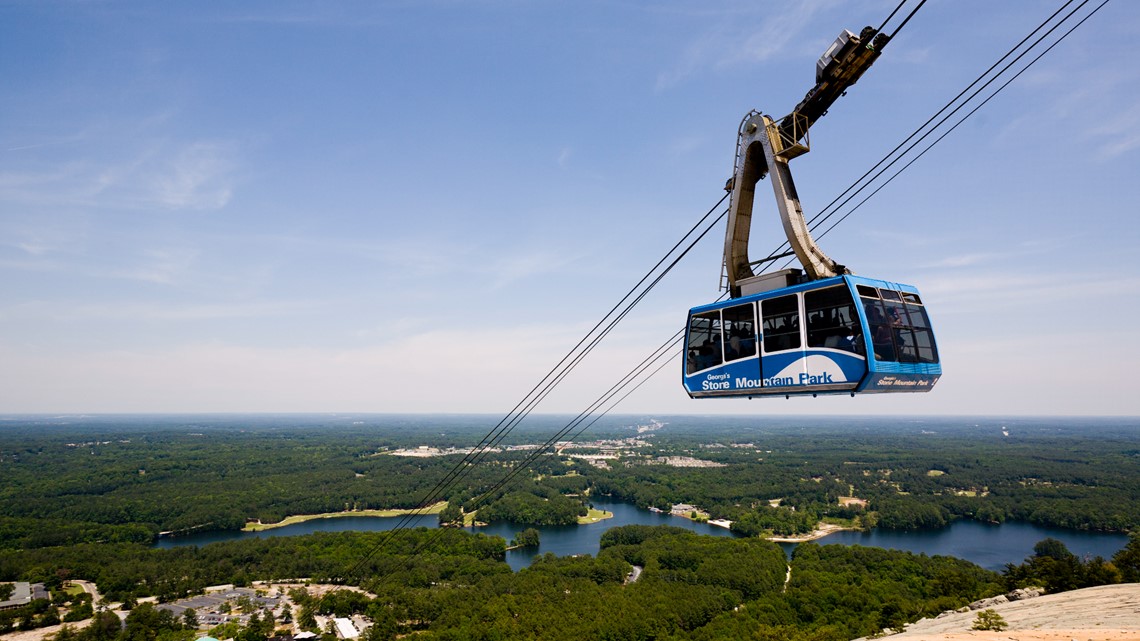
x,y
493,265
729,44
685,145
198,175
971,293
1097,101
1120,134
1012,254
153,312
503,271
163,266
964,260
484,370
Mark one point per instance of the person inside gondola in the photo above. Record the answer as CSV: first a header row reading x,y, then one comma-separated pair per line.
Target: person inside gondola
x,y
846,339
737,346
881,334
706,356
903,351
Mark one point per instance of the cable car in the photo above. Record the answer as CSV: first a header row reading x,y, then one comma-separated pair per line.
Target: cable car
x,y
841,335
822,330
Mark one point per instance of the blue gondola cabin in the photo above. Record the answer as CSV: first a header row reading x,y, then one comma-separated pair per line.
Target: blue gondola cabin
x,y
840,335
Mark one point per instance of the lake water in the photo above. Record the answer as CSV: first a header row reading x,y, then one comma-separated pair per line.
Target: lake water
x,y
990,546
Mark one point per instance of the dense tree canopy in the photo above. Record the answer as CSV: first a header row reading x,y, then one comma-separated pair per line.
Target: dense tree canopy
x,y
125,481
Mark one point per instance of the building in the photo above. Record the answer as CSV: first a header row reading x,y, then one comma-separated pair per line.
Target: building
x,y
683,509
24,593
345,629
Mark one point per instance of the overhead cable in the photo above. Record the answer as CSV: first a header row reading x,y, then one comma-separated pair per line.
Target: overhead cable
x,y
832,207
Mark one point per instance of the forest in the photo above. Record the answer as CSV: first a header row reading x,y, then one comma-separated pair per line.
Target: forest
x,y
86,499
115,480
690,586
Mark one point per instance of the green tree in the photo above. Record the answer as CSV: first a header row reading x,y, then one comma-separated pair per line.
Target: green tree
x,y
989,619
451,514
253,631
80,611
66,633
1127,560
190,618
308,620
105,627
528,538
384,626
51,617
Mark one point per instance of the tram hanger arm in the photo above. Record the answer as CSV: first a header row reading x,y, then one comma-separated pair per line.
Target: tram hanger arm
x,y
837,70
765,145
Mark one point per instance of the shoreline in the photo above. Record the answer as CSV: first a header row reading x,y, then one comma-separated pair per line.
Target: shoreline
x,y
820,531
594,516
258,526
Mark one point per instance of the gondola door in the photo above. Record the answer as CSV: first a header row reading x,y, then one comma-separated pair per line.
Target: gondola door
x,y
741,354
782,346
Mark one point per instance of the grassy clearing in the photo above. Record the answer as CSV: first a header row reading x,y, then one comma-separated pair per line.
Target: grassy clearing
x,y
593,516
300,518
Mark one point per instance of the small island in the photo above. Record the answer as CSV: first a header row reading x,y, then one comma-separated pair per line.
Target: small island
x,y
258,526
820,531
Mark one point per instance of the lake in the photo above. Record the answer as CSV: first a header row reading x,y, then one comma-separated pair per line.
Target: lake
x,y
990,546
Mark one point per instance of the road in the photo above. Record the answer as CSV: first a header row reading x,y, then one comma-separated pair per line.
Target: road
x,y
89,588
634,575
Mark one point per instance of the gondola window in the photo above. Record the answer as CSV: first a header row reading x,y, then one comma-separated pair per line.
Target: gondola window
x,y
781,323
704,346
739,332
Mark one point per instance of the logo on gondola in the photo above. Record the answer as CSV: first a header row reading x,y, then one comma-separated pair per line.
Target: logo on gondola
x,y
891,381
715,382
814,369
821,370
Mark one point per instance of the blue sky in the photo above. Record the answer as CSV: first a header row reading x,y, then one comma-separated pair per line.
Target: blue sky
x,y
420,206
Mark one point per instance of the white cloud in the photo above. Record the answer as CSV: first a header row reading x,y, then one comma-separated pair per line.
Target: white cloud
x,y
40,311
1013,254
1120,134
198,176
965,260
453,370
174,176
746,40
1098,101
162,266
973,293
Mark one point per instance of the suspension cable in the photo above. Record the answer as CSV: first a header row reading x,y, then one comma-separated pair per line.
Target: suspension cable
x,y
524,464
532,399
816,224
880,29
507,423
907,19
813,220
556,375
547,383
963,119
